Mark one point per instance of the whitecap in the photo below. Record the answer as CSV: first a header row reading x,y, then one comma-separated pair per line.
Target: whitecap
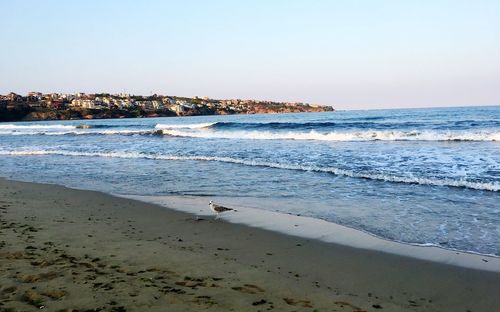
x,y
487,186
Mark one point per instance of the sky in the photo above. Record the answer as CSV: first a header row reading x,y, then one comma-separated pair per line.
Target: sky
x,y
350,54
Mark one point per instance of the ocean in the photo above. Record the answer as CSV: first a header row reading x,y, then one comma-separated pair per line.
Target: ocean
x,y
418,176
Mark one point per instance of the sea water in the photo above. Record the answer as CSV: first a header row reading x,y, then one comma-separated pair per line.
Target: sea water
x,y
420,176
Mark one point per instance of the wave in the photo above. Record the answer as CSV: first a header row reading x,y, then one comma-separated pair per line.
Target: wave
x,y
74,129
340,136
101,126
272,126
185,126
97,129
35,127
91,129
81,132
206,132
314,125
485,186
339,124
258,131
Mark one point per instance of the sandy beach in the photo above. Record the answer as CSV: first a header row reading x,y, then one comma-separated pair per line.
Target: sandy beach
x,y
71,250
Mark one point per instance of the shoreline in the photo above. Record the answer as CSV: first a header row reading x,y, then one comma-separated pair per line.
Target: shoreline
x,y
105,248
324,231
310,228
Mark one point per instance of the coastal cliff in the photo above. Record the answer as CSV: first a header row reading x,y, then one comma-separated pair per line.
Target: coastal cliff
x,y
37,106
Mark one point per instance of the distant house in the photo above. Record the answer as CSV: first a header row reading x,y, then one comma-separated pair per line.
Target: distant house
x,y
168,100
55,104
150,105
14,97
89,104
67,97
178,108
34,96
182,107
125,103
55,96
157,105
108,101
34,93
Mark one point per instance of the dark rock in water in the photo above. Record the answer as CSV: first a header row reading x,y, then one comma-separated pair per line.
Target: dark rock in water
x,y
377,306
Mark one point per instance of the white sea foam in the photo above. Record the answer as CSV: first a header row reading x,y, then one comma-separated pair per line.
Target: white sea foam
x,y
11,129
487,186
205,131
35,127
55,130
104,132
340,136
185,126
75,132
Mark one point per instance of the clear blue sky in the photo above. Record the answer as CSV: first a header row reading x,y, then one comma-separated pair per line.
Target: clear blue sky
x,y
349,54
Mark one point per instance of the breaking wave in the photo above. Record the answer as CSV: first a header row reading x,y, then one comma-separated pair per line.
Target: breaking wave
x,y
255,131
91,129
78,131
340,136
36,127
487,186
186,126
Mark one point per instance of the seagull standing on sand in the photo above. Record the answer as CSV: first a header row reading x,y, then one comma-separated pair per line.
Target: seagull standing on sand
x,y
217,209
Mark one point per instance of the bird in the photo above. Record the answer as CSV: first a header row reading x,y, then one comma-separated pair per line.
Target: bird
x,y
217,209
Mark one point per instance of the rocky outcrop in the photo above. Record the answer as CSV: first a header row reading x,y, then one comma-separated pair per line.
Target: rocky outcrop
x,y
26,113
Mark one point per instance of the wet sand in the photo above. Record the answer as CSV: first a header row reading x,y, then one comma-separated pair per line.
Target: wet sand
x,y
70,250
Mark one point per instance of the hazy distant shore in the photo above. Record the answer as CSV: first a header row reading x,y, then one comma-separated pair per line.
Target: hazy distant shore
x,y
69,249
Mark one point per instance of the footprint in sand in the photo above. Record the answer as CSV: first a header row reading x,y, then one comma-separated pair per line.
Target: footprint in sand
x,y
192,282
26,278
347,304
297,302
54,294
248,289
